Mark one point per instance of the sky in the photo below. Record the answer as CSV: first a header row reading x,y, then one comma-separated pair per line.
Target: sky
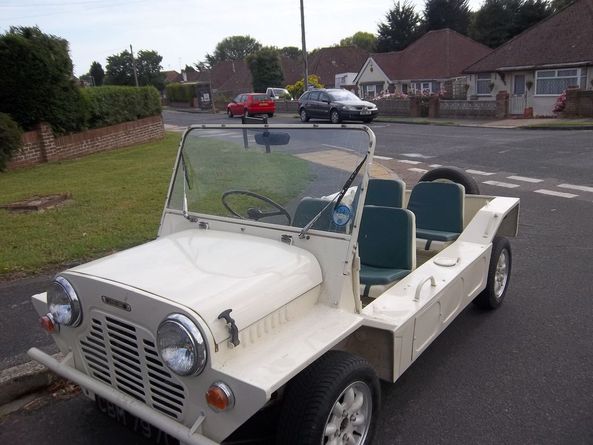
x,y
184,31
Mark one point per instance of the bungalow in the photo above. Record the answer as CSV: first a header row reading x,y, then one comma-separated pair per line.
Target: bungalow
x,y
536,66
436,58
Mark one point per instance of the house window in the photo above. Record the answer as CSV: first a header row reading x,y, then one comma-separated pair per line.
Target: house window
x,y
519,85
404,88
554,82
370,91
483,84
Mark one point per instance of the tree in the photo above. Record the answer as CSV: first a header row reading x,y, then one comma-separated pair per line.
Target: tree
x,y
233,48
202,66
36,81
298,88
290,51
120,70
363,40
97,73
497,21
401,27
454,14
558,5
265,69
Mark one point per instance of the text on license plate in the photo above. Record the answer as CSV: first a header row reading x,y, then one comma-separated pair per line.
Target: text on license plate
x,y
365,112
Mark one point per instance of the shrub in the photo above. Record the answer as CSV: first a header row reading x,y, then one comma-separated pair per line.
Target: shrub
x,y
110,105
10,139
560,104
297,89
178,92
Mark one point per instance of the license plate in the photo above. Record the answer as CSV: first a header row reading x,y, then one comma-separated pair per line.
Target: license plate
x,y
365,112
134,423
263,104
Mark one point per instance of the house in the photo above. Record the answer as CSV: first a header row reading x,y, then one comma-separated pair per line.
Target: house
x,y
436,58
172,76
326,63
536,66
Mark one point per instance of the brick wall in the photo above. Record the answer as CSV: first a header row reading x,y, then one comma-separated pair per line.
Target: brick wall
x,y
473,109
578,104
41,146
393,107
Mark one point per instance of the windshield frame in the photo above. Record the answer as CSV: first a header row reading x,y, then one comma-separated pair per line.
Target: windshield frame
x,y
196,216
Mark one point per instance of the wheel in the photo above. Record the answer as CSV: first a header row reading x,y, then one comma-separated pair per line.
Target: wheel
x,y
270,114
304,115
334,116
499,274
255,213
229,113
335,400
453,174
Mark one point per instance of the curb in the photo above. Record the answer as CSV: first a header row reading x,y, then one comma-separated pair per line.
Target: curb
x,y
558,128
24,379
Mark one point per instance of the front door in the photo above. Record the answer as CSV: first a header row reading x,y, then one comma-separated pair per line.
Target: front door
x,y
517,102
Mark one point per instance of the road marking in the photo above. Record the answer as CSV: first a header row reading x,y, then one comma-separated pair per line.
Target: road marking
x,y
383,158
582,188
416,155
478,172
338,147
435,165
524,179
407,161
419,170
501,184
553,193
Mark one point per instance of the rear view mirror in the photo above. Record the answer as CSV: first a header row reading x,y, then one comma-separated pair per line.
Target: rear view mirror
x,y
268,138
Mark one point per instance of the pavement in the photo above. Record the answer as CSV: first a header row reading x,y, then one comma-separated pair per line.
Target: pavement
x,y
533,123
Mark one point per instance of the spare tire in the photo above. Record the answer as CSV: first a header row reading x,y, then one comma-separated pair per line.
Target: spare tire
x,y
453,174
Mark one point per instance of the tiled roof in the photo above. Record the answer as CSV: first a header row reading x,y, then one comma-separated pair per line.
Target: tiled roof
x,y
564,38
197,76
439,54
172,76
327,62
232,77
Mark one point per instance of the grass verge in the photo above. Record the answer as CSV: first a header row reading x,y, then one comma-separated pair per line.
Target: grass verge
x,y
117,196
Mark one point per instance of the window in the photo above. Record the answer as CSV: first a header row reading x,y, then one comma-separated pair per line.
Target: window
x,y
404,88
314,95
519,84
554,82
371,91
483,84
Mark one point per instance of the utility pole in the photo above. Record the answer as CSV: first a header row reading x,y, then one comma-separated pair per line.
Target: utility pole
x,y
134,65
304,47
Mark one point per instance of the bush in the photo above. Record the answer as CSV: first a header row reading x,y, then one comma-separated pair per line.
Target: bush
x,y
110,105
177,92
10,139
298,88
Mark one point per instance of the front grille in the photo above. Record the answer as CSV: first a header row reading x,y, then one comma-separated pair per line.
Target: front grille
x,y
125,357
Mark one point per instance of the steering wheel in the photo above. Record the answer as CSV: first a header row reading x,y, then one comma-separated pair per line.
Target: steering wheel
x,y
254,212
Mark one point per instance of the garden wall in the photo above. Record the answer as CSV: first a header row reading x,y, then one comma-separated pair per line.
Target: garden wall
x,y
579,103
41,145
471,109
393,107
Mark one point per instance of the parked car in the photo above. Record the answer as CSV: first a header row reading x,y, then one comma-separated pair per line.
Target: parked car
x,y
272,284
278,93
336,105
251,104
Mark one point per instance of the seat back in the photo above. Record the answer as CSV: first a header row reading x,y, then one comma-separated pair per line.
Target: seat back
x,y
308,208
438,206
385,192
387,238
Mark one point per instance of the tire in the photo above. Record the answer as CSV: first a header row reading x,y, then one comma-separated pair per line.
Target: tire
x,y
304,115
311,397
334,116
229,113
453,174
499,275
270,114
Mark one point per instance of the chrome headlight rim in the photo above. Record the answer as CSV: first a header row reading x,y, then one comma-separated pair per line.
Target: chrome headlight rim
x,y
197,339
73,300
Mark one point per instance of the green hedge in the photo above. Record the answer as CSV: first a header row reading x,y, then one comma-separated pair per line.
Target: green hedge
x,y
110,105
10,139
177,92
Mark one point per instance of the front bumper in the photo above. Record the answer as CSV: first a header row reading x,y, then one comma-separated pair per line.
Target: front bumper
x,y
356,115
187,435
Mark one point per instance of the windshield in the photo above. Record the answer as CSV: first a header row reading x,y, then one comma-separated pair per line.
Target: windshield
x,y
282,176
343,95
280,92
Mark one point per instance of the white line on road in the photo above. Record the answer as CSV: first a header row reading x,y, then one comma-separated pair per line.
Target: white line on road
x,y
553,193
407,161
416,155
383,158
524,179
419,170
338,147
582,188
431,165
507,185
478,172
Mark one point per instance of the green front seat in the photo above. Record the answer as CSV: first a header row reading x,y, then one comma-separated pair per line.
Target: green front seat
x,y
385,192
386,245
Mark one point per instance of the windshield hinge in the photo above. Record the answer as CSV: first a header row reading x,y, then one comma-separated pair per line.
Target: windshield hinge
x,y
203,225
286,239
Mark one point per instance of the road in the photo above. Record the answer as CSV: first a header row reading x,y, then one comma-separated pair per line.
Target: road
x,y
520,375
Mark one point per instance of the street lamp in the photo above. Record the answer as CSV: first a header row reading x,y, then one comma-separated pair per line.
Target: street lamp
x,y
304,47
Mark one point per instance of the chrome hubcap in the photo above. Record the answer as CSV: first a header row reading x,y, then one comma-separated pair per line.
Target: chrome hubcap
x,y
350,417
502,274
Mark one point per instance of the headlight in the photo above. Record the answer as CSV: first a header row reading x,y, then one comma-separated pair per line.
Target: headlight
x,y
349,108
63,303
181,345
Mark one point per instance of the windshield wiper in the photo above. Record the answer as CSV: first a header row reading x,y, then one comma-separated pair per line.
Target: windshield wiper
x,y
336,200
186,185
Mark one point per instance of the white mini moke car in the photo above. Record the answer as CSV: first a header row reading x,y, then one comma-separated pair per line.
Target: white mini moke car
x,y
290,270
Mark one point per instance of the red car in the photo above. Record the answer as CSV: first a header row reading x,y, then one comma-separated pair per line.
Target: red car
x,y
250,104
